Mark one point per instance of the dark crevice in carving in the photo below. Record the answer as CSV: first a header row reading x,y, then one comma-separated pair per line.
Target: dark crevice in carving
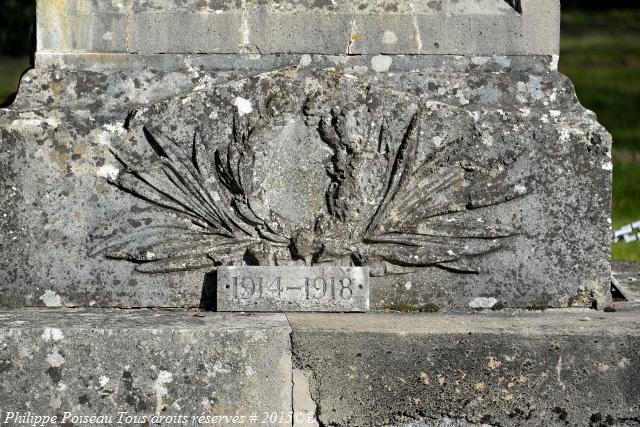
x,y
516,4
153,143
208,299
454,268
127,121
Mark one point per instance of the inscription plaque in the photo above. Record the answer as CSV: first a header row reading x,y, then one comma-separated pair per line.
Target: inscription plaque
x,y
268,288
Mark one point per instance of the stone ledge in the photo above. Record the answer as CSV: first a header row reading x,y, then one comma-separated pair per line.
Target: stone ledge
x,y
153,78
526,368
360,64
552,322
520,368
101,362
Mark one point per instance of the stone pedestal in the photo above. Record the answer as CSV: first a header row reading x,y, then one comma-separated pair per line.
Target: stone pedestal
x,y
433,142
552,368
432,145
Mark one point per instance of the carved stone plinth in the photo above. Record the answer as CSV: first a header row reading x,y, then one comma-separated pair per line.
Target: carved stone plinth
x,y
464,174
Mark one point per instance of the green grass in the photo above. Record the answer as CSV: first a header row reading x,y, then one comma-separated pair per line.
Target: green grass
x,y
11,68
626,202
600,52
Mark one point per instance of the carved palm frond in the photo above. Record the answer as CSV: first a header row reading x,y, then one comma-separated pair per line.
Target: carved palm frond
x,y
234,168
429,211
425,215
221,221
393,201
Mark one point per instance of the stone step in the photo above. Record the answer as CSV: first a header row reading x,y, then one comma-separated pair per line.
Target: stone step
x,y
143,363
571,367
521,368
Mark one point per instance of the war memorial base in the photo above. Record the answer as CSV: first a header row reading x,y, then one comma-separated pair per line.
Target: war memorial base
x,y
423,163
557,367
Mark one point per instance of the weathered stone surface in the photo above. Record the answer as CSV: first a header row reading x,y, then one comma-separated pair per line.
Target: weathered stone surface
x,y
524,368
66,222
530,369
158,140
322,288
120,82
461,27
145,363
302,401
198,67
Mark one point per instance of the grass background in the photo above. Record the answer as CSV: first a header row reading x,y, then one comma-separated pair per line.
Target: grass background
x,y
600,52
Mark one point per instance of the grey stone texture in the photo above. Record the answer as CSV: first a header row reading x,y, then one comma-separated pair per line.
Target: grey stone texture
x,y
461,27
145,363
433,142
558,367
518,368
275,289
524,169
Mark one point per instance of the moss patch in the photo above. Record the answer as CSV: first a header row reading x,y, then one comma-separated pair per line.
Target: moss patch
x,y
405,307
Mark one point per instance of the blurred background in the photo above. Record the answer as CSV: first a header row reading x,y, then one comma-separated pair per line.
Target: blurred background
x,y
600,52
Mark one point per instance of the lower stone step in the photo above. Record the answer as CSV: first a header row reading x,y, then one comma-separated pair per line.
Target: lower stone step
x,y
574,368
134,367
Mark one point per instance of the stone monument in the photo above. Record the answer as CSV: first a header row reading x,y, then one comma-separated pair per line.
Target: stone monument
x,y
433,142
303,155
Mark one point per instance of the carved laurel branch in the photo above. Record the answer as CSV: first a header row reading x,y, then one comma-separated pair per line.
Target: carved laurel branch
x,y
428,213
423,216
213,200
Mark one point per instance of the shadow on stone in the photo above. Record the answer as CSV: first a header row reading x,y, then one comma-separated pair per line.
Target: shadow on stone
x,y
208,299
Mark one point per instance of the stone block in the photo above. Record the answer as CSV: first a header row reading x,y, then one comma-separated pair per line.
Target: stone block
x,y
433,142
63,218
525,368
551,368
145,363
309,32
488,27
162,32
67,30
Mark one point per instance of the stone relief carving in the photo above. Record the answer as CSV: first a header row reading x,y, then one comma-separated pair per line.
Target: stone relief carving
x,y
354,179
